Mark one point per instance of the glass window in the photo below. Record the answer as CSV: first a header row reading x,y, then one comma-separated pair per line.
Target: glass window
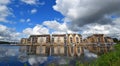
x,y
98,39
47,39
52,39
71,40
65,40
77,39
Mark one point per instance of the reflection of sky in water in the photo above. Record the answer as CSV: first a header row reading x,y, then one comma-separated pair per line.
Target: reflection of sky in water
x,y
10,55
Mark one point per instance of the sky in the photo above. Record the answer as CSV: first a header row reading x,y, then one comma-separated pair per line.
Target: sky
x,y
21,18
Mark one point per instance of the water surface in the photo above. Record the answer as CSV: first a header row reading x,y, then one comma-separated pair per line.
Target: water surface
x,y
11,56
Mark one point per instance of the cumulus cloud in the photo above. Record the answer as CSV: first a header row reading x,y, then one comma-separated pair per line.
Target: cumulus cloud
x,y
25,20
33,2
91,16
82,12
28,20
4,2
33,11
57,27
8,34
4,10
108,30
38,29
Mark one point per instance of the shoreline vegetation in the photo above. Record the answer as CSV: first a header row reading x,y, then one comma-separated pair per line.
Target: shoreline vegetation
x,y
4,42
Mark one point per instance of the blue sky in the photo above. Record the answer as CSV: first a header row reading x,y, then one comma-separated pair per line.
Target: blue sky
x,y
22,11
21,18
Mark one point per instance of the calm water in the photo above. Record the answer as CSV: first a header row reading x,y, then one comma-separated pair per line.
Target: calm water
x,y
11,56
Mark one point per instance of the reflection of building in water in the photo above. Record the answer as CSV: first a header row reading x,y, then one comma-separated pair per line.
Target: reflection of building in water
x,y
38,40
100,41
63,44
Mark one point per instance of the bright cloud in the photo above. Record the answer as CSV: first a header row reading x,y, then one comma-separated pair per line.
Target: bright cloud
x,y
4,10
55,25
28,20
4,2
82,12
25,20
59,28
33,11
32,2
90,16
38,29
7,33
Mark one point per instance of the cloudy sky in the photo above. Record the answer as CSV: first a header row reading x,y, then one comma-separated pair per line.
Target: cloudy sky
x,y
21,18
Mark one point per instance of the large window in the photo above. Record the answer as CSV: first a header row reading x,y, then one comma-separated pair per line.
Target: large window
x,y
98,39
52,39
71,40
65,40
58,39
105,39
81,39
47,39
77,39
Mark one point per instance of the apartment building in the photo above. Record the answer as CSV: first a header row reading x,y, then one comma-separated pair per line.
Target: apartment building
x,y
59,39
24,41
74,38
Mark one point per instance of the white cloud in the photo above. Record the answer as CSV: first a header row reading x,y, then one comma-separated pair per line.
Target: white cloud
x,y
55,25
22,20
33,2
28,20
4,2
33,11
38,29
25,20
90,16
8,34
96,29
82,12
108,30
4,10
59,28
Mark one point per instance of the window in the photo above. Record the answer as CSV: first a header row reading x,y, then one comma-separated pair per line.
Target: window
x,y
71,40
41,39
81,39
58,39
52,39
65,40
47,39
77,39
105,39
98,39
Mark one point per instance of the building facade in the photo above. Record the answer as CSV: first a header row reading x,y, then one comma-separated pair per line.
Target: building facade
x,y
60,40
24,41
62,44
